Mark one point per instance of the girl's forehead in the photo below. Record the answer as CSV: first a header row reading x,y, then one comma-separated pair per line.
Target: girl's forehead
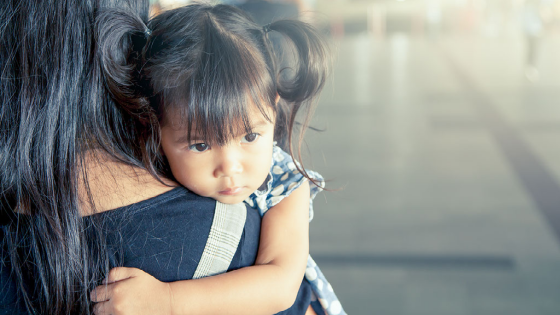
x,y
176,117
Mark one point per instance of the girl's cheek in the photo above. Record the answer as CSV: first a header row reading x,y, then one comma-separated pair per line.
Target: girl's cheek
x,y
261,148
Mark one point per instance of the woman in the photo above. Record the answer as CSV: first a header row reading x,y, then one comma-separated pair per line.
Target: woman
x,y
78,193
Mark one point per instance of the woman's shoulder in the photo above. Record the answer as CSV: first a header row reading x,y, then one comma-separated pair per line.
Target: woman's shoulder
x,y
170,230
175,200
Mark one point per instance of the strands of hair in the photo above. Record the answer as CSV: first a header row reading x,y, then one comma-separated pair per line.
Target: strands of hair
x,y
53,108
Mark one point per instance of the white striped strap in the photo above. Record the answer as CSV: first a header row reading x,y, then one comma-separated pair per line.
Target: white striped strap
x,y
225,233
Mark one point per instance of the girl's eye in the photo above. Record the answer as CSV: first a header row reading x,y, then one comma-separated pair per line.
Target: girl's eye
x,y
199,147
252,137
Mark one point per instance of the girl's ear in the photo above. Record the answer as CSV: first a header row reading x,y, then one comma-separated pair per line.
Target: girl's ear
x,y
277,99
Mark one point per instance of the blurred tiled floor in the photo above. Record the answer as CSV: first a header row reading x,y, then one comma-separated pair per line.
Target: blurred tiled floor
x,y
448,160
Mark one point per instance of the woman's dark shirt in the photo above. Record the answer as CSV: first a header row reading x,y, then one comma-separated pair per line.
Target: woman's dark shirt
x,y
164,236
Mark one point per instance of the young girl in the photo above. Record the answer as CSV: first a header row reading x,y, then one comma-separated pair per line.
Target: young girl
x,y
220,103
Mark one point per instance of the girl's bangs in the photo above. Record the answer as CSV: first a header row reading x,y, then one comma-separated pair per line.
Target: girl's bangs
x,y
230,83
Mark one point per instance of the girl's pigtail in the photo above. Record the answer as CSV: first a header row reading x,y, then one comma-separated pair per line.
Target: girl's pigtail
x,y
121,39
305,82
312,61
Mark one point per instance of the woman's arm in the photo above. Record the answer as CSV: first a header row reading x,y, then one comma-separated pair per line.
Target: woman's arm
x,y
268,287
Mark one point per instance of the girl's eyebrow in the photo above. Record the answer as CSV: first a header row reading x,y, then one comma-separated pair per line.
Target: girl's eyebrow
x,y
184,138
260,123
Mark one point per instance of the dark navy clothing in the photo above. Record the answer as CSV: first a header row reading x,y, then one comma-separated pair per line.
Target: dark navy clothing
x,y
164,236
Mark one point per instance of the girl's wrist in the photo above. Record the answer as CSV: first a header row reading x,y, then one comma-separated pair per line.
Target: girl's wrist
x,y
171,296
180,302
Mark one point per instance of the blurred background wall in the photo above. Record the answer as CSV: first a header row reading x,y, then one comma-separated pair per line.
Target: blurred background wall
x,y
442,131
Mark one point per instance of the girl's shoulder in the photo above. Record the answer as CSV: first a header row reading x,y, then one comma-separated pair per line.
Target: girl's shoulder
x,y
283,178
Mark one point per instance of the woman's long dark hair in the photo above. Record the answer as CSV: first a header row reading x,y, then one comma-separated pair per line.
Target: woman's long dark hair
x,y
210,65
53,109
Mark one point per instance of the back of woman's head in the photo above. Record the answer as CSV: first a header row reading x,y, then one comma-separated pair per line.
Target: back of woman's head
x,y
210,65
53,108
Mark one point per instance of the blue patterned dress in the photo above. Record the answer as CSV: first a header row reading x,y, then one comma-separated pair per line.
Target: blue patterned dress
x,y
282,180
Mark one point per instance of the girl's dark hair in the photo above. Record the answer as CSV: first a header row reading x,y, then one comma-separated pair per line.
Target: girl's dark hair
x,y
209,65
53,109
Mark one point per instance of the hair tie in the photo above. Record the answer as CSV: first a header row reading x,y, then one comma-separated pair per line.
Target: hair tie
x,y
266,28
147,32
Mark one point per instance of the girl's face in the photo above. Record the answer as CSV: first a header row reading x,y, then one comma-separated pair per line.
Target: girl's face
x,y
228,173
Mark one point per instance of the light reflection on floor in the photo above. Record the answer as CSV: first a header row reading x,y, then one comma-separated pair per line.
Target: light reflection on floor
x,y
437,215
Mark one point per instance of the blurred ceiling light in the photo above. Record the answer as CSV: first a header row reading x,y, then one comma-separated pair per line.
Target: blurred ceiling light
x,y
168,4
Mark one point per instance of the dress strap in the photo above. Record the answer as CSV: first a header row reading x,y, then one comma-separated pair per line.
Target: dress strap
x,y
225,233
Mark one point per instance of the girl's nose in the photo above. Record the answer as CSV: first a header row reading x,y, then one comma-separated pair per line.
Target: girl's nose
x,y
229,164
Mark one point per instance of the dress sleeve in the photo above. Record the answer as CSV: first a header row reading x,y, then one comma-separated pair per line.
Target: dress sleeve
x,y
282,180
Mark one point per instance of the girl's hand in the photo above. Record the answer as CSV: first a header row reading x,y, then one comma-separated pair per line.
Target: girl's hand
x,y
131,291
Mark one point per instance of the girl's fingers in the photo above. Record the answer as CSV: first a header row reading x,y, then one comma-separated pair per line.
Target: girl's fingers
x,y
102,308
105,291
120,273
102,293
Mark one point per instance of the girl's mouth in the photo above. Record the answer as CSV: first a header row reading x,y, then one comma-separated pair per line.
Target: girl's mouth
x,y
231,191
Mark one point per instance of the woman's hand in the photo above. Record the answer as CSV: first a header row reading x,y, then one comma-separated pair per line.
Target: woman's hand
x,y
131,291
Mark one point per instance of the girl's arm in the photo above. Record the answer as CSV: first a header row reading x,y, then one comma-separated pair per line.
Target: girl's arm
x,y
268,287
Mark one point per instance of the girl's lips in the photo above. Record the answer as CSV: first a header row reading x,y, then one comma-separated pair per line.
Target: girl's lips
x,y
231,191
